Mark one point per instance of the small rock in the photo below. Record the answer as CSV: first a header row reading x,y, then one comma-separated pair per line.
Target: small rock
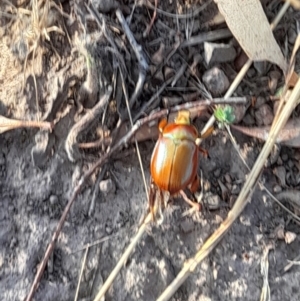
x,y
215,81
280,173
264,115
284,157
259,102
213,201
108,230
218,53
289,237
235,189
53,199
239,112
107,186
277,189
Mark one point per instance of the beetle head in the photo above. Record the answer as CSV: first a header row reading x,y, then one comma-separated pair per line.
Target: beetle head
x,y
183,117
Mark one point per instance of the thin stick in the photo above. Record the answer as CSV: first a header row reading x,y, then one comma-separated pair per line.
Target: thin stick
x,y
241,201
139,54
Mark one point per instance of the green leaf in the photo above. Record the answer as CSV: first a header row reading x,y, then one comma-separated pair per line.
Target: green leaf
x,y
224,114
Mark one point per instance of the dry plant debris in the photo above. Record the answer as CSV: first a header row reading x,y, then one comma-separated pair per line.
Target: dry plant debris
x,y
39,23
252,31
175,79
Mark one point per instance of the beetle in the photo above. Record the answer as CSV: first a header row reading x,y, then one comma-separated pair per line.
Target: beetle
x,y
175,158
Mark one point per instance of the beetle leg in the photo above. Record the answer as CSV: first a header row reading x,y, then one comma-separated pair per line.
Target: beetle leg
x,y
194,186
207,133
162,124
203,151
152,197
195,205
162,199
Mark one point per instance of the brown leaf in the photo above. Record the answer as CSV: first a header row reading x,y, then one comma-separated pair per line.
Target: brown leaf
x,y
249,24
289,135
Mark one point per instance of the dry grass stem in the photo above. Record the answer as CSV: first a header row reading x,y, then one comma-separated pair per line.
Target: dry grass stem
x,y
265,292
81,273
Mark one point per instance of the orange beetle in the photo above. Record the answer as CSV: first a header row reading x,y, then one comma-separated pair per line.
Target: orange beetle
x,y
175,157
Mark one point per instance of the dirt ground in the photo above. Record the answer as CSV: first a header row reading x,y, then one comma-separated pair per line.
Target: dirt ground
x,y
38,172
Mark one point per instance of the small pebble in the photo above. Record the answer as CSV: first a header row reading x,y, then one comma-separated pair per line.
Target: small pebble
x,y
289,237
215,81
53,199
239,112
107,186
213,201
277,189
218,53
284,157
108,230
235,189
279,232
264,115
259,102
